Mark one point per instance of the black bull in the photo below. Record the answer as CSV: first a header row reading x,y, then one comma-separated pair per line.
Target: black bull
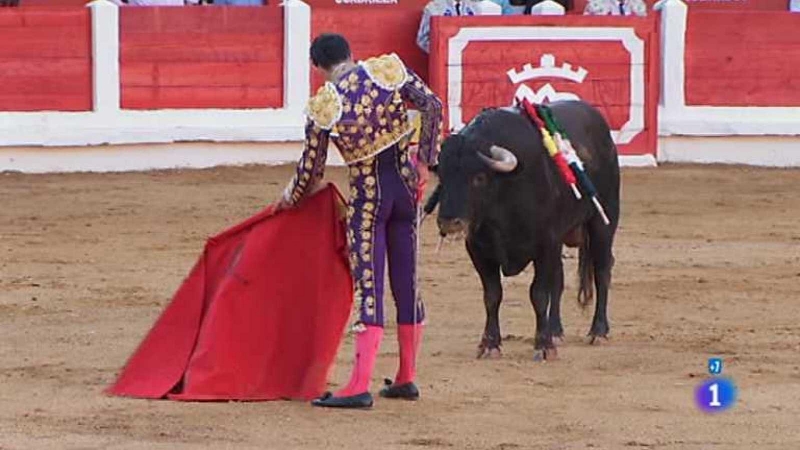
x,y
498,184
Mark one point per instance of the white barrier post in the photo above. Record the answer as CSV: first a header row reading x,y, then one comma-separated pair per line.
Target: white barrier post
x,y
548,8
105,57
489,8
673,47
296,67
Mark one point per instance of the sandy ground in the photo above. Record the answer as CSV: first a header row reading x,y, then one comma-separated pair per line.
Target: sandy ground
x,y
708,263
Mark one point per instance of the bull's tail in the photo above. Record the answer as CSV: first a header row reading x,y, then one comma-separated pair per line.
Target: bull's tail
x,y
585,272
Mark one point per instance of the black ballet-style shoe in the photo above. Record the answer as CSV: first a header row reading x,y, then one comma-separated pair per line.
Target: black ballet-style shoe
x,y
358,401
406,391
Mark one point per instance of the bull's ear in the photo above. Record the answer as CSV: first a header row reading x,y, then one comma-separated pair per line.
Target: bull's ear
x,y
500,160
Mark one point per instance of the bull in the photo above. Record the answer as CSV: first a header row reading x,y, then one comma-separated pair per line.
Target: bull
x,y
498,185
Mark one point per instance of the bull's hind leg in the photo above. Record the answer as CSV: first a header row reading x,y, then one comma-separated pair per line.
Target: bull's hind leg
x,y
601,239
549,270
489,273
554,314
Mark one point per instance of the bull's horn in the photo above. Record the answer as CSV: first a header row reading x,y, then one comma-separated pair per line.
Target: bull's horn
x,y
502,159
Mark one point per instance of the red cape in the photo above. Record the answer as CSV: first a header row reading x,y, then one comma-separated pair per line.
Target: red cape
x,y
260,316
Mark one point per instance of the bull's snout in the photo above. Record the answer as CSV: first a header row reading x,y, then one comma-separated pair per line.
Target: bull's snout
x,y
451,226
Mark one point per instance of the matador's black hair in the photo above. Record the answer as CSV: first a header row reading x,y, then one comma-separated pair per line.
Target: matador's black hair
x,y
328,50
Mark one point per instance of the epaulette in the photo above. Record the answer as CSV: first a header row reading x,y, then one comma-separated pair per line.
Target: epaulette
x,y
387,71
325,108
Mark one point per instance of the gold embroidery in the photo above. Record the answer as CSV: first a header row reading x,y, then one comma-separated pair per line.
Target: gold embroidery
x,y
325,108
380,140
386,71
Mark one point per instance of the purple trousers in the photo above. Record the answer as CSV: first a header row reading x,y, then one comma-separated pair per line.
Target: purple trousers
x,y
382,221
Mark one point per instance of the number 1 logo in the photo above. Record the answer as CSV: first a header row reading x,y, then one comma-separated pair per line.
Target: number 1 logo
x,y
714,403
715,395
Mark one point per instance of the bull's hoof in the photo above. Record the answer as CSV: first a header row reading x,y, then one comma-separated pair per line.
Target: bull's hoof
x,y
486,352
596,339
545,354
598,331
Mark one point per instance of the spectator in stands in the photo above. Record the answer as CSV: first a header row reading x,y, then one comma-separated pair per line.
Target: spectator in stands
x,y
442,8
519,7
616,8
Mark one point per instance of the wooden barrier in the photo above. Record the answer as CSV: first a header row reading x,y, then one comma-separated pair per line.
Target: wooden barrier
x,y
161,75
612,63
373,31
216,57
45,59
731,64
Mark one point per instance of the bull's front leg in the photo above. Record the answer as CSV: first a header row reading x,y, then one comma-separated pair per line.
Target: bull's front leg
x,y
489,273
545,296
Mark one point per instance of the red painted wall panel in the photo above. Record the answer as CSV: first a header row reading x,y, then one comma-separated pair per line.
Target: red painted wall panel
x,y
45,59
732,64
215,57
372,32
485,67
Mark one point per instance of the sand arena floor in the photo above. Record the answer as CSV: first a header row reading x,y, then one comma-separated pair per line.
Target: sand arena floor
x,y
708,263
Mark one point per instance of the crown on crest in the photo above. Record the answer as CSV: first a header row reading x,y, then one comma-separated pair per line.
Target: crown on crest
x,y
547,69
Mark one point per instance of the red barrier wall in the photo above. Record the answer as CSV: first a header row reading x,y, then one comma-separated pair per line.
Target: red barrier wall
x,y
607,83
213,57
373,31
45,59
742,58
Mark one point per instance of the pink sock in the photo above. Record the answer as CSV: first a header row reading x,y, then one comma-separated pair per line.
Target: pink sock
x,y
367,344
410,339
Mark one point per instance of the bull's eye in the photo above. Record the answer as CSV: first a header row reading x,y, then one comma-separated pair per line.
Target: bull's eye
x,y
480,180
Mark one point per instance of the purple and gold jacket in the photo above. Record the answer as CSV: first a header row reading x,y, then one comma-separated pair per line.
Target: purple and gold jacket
x,y
364,113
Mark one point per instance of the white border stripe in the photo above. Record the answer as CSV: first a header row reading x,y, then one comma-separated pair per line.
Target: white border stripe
x,y
632,43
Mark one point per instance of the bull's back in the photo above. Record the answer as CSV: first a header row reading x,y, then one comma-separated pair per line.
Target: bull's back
x,y
590,134
586,127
